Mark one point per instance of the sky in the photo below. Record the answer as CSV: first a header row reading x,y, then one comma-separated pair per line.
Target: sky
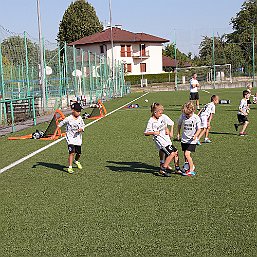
x,y
183,21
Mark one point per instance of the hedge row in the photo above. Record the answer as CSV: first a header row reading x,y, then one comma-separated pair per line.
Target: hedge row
x,y
156,78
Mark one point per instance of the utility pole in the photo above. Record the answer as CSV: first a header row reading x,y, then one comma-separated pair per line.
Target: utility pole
x,y
41,65
253,61
213,60
175,56
110,13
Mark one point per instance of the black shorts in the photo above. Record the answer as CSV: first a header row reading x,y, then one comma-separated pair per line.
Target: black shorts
x,y
188,147
194,96
169,149
241,118
74,149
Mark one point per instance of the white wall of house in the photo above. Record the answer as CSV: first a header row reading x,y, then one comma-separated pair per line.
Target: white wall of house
x,y
153,58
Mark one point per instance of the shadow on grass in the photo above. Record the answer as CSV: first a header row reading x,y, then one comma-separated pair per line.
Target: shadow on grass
x,y
223,133
132,167
54,166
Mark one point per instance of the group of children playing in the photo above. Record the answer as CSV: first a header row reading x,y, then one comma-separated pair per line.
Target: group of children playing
x,y
191,127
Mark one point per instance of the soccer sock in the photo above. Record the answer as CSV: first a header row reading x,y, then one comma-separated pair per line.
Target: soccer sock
x,y
70,167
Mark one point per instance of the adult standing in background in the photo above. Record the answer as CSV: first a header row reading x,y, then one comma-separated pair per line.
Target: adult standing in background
x,y
194,95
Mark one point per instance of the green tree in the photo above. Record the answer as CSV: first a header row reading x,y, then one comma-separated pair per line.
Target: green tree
x,y
243,24
181,57
224,52
14,51
79,20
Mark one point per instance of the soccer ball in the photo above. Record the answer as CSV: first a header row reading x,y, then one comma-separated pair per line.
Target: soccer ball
x,y
186,166
146,100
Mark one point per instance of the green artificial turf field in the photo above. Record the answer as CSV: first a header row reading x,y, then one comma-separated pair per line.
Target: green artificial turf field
x,y
117,205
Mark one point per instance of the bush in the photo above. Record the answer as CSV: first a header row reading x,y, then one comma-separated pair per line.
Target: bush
x,y
151,78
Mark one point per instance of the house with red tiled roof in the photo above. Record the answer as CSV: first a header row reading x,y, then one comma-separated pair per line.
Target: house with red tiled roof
x,y
140,53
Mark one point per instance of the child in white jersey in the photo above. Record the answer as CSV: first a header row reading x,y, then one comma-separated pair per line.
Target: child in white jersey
x,y
74,128
243,112
157,126
191,126
206,115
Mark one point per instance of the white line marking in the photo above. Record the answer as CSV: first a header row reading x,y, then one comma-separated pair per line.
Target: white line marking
x,y
205,91
59,140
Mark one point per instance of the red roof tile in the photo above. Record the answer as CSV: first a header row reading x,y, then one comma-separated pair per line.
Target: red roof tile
x,y
118,35
168,62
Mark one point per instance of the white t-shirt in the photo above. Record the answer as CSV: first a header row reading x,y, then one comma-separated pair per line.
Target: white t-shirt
x,y
73,137
243,106
193,82
189,127
208,109
153,125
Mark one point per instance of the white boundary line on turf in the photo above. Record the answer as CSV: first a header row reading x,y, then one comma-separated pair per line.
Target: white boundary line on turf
x,y
58,140
205,91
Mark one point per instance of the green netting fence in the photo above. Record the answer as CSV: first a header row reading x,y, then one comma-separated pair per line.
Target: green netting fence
x,y
69,73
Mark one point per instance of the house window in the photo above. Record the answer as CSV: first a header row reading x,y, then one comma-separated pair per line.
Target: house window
x,y
123,51
142,67
142,49
128,50
127,67
101,49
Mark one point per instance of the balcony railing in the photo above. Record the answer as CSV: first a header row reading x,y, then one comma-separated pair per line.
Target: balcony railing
x,y
138,54
135,54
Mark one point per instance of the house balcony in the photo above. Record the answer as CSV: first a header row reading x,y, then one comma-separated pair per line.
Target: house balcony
x,y
135,54
139,55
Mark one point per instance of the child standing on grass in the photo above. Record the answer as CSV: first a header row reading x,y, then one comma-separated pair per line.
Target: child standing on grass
x,y
206,115
191,128
157,126
243,112
74,128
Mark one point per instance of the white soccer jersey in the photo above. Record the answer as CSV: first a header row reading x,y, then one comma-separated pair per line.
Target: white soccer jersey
x,y
193,82
243,106
73,137
189,126
208,109
153,125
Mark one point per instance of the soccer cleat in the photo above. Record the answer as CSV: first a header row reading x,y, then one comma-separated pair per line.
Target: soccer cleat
x,y
242,134
163,172
198,142
78,164
178,170
207,140
189,173
236,126
70,170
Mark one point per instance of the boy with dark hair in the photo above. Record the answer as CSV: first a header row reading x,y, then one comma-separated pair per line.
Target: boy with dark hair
x,y
74,128
243,112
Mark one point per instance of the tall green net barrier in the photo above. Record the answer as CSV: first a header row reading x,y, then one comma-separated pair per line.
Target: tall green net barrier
x,y
69,73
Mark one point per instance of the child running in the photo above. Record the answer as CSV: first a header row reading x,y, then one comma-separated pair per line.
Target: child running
x,y
157,126
243,112
191,126
206,115
74,128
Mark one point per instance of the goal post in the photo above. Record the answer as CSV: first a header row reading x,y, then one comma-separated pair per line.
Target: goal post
x,y
223,73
